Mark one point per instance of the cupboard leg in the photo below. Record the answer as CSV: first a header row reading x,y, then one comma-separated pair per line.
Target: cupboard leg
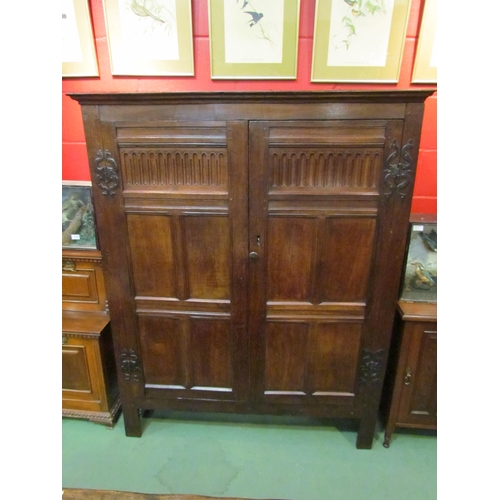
x,y
387,439
366,432
132,420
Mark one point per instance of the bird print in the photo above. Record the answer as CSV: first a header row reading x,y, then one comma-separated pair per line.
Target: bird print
x,y
256,17
142,11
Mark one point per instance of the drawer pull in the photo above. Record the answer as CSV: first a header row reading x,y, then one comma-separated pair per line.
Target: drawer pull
x,y
64,340
407,376
69,265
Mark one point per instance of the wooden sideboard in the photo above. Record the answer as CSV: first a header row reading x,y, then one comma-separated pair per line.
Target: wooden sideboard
x,y
89,382
252,246
412,377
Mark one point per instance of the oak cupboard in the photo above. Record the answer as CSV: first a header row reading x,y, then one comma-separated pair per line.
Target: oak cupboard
x,y
252,246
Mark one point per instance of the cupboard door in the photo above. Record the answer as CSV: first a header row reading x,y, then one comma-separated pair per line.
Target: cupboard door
x,y
184,196
419,391
315,216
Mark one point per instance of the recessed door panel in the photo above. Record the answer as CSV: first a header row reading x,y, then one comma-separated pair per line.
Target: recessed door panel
x,y
291,254
347,259
207,256
333,356
152,255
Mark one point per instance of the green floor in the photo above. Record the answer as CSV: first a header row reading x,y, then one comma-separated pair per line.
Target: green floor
x,y
251,457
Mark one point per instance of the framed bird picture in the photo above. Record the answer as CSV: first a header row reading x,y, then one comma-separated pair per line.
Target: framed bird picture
x,y
425,67
78,221
78,49
359,40
150,37
253,39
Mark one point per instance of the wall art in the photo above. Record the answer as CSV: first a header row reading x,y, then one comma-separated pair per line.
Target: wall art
x,y
78,49
359,40
254,39
425,66
150,37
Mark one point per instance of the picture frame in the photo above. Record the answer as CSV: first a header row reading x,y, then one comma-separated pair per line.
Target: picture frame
x,y
78,217
150,39
425,65
78,48
254,40
359,40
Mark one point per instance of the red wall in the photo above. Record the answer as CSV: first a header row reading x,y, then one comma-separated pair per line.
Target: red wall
x,y
74,158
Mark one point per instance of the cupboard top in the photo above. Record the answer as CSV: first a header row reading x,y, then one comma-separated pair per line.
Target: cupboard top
x,y
376,96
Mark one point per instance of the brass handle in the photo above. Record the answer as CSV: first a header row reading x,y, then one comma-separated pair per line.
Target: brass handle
x,y
407,376
254,255
64,340
69,265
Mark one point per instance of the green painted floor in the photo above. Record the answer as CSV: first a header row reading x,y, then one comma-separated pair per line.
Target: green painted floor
x,y
291,458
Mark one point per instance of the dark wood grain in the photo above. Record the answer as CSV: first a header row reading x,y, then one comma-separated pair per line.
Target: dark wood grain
x,y
253,246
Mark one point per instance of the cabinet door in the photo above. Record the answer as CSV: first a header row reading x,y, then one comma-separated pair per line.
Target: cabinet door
x,y
317,216
419,393
82,385
178,258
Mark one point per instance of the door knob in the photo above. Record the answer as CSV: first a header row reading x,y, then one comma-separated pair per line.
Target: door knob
x,y
254,255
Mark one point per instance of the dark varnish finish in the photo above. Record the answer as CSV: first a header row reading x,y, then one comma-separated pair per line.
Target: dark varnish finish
x,y
252,246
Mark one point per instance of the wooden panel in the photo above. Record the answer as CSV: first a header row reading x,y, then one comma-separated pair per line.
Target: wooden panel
x,y
169,169
424,392
79,286
347,259
333,355
163,347
342,169
211,353
208,256
75,374
286,357
291,251
150,239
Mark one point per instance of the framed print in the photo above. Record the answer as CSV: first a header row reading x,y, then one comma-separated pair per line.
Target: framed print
x,y
425,66
150,37
78,221
359,40
254,39
78,49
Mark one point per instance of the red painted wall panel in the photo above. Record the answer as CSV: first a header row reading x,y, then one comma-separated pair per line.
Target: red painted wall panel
x,y
74,158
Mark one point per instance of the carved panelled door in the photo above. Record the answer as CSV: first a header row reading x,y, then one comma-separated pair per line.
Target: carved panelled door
x,y
316,212
184,188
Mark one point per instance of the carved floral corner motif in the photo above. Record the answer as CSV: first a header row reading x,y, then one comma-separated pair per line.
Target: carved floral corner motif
x,y
130,365
371,366
106,170
397,176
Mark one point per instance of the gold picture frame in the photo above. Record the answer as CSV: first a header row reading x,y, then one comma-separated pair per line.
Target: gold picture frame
x,y
425,65
359,40
254,40
153,38
78,49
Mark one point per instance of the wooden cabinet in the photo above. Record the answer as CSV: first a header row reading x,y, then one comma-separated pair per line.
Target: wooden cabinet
x,y
253,245
412,382
89,382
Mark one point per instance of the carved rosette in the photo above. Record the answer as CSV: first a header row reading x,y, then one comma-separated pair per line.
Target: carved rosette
x,y
371,366
106,170
130,365
397,176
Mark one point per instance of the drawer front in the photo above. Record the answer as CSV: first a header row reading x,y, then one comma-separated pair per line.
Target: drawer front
x,y
82,286
82,380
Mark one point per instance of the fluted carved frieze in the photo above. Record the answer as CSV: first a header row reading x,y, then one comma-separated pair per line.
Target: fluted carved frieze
x,y
347,169
174,168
